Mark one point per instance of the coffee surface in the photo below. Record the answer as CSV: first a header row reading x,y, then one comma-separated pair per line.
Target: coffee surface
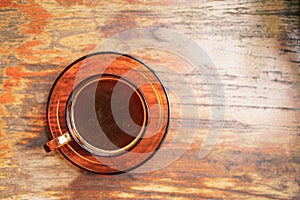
x,y
108,113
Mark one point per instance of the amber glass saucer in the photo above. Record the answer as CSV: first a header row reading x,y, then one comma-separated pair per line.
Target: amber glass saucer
x,y
148,106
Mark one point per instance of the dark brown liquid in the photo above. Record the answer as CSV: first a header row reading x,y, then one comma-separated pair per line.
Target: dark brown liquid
x,y
108,113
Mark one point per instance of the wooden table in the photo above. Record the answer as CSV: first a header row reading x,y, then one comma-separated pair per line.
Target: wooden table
x,y
255,46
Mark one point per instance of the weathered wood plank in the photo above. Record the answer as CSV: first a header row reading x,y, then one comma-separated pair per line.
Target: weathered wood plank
x,y
255,47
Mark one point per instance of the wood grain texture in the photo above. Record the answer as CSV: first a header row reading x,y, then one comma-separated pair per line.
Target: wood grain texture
x,y
255,46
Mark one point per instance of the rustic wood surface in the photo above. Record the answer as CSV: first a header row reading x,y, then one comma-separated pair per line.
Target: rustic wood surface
x,y
254,44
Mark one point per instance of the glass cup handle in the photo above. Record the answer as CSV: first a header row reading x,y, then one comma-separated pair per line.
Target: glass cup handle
x,y
57,142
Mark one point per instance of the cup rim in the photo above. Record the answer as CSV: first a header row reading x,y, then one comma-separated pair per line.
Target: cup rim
x,y
74,133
